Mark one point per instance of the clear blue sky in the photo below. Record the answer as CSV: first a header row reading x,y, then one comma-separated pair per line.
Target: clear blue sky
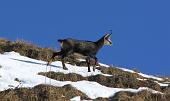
x,y
141,28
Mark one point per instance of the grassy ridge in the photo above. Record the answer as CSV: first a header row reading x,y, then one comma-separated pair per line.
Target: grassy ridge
x,y
25,49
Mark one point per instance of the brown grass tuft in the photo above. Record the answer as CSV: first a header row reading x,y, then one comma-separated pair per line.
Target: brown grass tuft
x,y
140,96
42,93
118,81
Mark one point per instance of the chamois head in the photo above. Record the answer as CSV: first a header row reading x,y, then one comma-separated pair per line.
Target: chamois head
x,y
107,40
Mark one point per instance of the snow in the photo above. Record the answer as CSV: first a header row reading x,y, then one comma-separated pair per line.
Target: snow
x,y
77,98
127,70
76,69
167,82
26,70
148,89
95,90
23,68
141,74
12,53
81,59
101,64
150,76
141,79
162,84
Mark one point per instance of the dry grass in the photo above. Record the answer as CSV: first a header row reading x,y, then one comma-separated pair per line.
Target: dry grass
x,y
118,81
63,77
51,93
140,96
42,93
25,49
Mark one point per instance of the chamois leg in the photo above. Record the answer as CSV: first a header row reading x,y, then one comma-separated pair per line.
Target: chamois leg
x,y
53,56
88,63
65,54
94,66
63,63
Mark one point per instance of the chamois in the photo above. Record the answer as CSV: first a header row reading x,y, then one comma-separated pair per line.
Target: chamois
x,y
88,49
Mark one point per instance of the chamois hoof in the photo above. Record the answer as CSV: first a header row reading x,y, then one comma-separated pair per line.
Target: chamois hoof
x,y
93,70
65,68
48,63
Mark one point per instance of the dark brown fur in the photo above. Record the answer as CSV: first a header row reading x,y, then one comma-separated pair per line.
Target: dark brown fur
x,y
85,48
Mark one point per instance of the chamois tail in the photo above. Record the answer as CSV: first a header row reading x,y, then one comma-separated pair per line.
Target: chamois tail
x,y
60,40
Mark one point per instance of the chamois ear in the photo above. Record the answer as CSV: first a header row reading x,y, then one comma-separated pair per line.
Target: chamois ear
x,y
107,35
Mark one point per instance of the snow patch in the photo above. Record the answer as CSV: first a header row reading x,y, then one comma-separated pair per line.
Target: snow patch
x,y
27,69
151,76
127,70
83,71
12,53
150,90
95,90
141,79
104,65
162,84
81,59
77,98
144,75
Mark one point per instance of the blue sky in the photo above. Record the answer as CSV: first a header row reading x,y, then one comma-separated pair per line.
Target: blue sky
x,y
141,28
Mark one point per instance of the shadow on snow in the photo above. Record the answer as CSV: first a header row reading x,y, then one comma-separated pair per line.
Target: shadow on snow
x,y
34,62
